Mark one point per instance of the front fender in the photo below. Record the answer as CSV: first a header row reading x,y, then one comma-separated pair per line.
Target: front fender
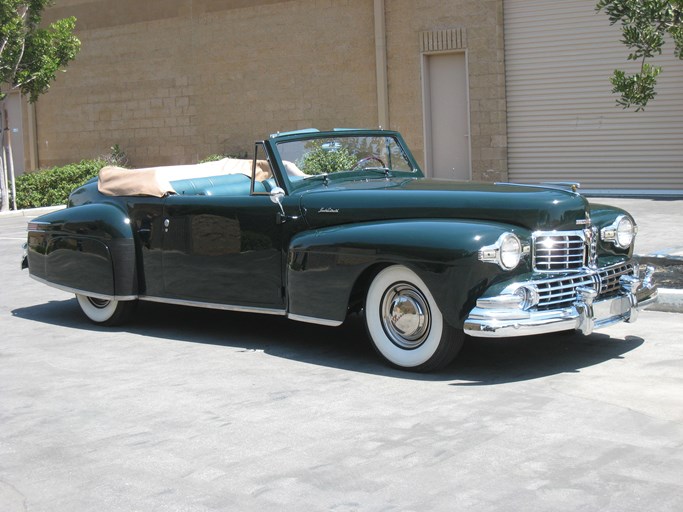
x,y
326,265
87,248
604,215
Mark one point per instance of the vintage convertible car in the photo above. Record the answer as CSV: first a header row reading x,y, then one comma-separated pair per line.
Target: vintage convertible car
x,y
321,224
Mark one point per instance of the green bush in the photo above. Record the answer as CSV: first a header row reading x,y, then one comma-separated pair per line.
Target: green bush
x,y
321,160
53,186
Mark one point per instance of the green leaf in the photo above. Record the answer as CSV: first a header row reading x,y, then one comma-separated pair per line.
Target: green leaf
x,y
644,24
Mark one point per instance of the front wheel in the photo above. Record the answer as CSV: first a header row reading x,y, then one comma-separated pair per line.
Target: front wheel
x,y
405,325
106,312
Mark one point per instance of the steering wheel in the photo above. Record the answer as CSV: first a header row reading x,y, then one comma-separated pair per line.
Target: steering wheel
x,y
361,163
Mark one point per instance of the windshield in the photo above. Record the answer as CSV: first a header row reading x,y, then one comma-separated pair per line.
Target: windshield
x,y
325,156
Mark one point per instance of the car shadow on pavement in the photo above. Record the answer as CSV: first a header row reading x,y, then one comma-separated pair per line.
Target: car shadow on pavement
x,y
487,361
481,362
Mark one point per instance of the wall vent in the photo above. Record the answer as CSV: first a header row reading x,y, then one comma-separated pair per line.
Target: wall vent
x,y
443,40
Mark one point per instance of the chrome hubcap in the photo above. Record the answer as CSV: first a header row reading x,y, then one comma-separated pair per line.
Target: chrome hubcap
x,y
405,315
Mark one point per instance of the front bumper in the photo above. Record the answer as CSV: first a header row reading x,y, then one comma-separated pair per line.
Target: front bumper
x,y
588,311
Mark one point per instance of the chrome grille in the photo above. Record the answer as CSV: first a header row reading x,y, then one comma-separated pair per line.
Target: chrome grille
x,y
609,277
561,292
558,251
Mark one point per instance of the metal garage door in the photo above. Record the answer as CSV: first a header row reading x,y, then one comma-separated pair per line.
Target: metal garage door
x,y
563,122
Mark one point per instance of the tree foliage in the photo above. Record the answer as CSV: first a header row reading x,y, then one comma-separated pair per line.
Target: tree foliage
x,y
644,25
30,56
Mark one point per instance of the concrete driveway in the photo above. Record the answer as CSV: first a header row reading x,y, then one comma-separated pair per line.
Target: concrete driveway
x,y
194,410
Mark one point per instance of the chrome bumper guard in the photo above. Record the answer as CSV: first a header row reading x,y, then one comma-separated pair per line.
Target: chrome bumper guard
x,y
588,312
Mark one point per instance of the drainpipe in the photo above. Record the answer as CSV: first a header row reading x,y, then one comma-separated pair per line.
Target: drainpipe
x,y
32,137
381,65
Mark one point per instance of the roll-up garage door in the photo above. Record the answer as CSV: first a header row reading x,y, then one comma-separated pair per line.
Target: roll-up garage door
x,y
563,121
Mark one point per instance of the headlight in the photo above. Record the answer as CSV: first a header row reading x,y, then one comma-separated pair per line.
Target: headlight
x,y
621,232
510,251
625,232
506,252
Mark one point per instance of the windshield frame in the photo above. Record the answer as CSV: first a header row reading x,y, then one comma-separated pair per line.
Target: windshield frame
x,y
292,185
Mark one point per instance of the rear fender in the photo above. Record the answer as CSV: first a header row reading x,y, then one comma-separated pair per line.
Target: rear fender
x,y
325,265
85,249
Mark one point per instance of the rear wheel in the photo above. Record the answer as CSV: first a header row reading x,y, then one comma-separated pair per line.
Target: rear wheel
x,y
106,312
405,325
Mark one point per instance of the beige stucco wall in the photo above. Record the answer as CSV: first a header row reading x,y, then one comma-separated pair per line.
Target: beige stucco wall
x,y
171,81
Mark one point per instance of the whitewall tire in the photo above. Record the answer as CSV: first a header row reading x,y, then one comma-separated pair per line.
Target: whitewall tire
x,y
106,312
405,325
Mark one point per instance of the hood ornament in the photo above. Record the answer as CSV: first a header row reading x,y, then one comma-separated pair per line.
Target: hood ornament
x,y
590,234
584,222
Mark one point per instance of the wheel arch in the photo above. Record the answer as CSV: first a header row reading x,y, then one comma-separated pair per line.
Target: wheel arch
x,y
330,269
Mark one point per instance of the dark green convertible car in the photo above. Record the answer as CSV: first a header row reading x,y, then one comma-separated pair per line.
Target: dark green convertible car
x,y
321,224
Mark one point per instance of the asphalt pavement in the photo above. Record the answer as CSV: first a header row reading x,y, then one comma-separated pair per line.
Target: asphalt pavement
x,y
195,410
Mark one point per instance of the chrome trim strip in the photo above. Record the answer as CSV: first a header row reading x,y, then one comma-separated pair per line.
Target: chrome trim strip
x,y
83,292
313,320
37,226
212,305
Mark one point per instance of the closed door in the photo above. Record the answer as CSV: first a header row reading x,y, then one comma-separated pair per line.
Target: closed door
x,y
446,104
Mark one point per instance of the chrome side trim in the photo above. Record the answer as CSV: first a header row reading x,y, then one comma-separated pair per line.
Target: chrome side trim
x,y
84,292
313,320
212,305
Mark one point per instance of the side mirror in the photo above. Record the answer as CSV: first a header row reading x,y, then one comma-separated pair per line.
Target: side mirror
x,y
276,196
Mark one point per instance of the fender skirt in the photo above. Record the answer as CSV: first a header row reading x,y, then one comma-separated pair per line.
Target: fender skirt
x,y
84,249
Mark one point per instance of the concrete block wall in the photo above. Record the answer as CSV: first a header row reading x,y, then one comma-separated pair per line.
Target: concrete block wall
x,y
483,23
171,81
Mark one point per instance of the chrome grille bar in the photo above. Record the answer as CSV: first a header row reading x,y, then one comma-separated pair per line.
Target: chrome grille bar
x,y
609,277
556,251
561,291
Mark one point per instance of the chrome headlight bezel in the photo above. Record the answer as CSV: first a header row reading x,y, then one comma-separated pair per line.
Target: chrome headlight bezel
x,y
506,252
622,232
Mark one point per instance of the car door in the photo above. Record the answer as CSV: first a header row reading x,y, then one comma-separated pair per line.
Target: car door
x,y
223,250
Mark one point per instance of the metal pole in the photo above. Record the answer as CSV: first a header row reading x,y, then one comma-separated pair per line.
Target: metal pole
x,y
4,199
381,64
10,166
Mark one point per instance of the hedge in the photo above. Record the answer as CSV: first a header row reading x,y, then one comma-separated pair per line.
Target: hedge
x,y
52,186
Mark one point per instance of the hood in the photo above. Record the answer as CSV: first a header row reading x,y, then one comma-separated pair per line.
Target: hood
x,y
530,207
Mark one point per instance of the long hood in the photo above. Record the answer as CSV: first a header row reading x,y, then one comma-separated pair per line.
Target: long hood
x,y
534,208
